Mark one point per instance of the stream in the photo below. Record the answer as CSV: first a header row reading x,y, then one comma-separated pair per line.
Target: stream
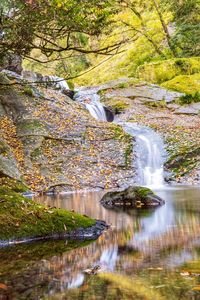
x,y
158,250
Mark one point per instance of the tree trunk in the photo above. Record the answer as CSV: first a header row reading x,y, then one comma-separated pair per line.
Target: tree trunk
x,y
165,29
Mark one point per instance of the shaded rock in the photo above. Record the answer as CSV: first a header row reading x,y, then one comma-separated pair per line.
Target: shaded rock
x,y
132,197
12,62
69,93
109,114
11,102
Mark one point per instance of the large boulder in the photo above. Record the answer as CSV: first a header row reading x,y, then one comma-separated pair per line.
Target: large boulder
x,y
132,197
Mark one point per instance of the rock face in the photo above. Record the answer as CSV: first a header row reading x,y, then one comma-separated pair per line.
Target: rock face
x,y
146,92
12,62
132,197
60,147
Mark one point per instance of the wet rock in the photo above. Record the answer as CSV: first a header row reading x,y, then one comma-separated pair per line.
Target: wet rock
x,y
69,93
132,197
83,234
109,114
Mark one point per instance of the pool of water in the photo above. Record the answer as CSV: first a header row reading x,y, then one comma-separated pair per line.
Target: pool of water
x,y
146,254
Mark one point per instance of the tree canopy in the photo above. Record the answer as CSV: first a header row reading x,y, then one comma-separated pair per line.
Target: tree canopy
x,y
53,26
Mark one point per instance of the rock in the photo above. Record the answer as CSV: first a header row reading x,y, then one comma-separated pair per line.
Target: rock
x,y
92,271
69,93
132,197
13,62
192,109
11,101
148,92
109,114
49,81
8,163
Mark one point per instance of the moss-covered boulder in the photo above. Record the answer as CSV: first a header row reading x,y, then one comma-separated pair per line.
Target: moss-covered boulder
x,y
22,219
131,197
187,84
162,71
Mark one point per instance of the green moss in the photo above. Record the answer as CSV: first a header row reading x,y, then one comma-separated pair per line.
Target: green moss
x,y
31,126
157,104
187,99
118,105
122,85
36,153
28,91
15,185
127,154
142,192
119,134
21,217
188,84
166,70
192,267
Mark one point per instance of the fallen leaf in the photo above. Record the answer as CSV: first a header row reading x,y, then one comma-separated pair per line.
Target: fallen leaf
x,y
3,286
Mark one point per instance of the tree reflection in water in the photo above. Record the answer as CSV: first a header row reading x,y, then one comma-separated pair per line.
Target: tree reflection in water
x,y
138,242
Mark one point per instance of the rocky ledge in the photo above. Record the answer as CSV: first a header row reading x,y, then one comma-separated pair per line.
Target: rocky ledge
x,y
80,234
132,197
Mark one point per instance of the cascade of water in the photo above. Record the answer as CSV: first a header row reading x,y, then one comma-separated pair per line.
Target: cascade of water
x,y
91,100
150,154
150,151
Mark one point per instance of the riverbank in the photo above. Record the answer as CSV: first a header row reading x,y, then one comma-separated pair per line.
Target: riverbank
x,y
23,220
153,106
51,143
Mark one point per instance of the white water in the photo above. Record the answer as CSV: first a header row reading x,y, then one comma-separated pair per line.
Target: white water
x,y
149,149
91,100
150,154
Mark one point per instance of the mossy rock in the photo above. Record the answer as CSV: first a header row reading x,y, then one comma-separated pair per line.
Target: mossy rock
x,y
31,127
21,218
187,84
132,197
166,70
117,105
13,184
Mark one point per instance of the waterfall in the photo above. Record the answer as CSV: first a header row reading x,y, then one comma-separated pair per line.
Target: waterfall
x,y
91,100
149,149
150,154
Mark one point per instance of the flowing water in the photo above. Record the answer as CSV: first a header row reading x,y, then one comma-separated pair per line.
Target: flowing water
x,y
146,254
149,148
91,100
150,155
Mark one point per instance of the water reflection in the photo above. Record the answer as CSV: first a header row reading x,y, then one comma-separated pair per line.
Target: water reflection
x,y
165,238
